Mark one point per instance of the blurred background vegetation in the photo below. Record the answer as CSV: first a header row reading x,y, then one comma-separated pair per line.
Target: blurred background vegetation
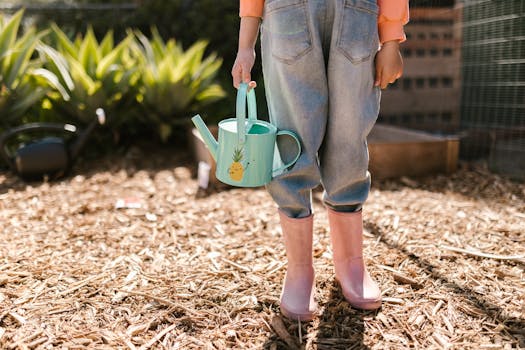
x,y
210,24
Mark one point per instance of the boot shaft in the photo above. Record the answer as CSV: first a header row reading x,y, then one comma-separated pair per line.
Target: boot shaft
x,y
346,234
297,239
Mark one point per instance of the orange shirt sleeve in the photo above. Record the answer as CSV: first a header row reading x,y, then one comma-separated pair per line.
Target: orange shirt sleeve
x,y
393,15
251,8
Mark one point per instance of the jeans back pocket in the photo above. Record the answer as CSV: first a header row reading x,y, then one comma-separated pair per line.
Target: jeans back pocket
x,y
358,36
285,27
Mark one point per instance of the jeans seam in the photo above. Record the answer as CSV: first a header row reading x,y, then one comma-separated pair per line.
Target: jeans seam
x,y
339,44
289,61
301,54
299,3
362,8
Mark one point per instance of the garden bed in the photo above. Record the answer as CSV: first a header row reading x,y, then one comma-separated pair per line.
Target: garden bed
x,y
396,152
124,255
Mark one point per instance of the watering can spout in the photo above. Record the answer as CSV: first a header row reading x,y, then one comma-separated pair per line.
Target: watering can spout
x,y
206,135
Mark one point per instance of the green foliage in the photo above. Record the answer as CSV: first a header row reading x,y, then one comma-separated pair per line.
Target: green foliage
x,y
103,75
188,21
23,82
174,82
144,85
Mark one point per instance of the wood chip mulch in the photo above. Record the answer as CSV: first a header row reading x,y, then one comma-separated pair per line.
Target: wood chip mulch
x,y
126,253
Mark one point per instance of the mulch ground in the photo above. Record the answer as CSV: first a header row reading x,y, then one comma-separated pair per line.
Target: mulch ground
x,y
126,253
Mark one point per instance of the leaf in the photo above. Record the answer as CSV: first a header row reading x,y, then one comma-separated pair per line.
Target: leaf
x,y
210,94
23,50
24,103
211,67
8,32
81,76
112,59
52,80
58,62
65,45
107,44
88,55
147,48
195,53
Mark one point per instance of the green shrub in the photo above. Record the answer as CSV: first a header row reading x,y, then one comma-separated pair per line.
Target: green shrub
x,y
23,82
174,83
216,21
103,75
145,85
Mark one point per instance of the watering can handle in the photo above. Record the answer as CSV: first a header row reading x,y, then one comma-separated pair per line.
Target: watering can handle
x,y
299,149
242,95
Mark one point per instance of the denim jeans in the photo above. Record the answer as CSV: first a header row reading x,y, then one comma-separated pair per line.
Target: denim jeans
x,y
318,66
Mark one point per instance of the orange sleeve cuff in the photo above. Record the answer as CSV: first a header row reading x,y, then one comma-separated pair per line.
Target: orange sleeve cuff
x,y
389,31
251,8
393,15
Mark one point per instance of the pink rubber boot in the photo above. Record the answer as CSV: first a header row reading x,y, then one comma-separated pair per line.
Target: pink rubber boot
x,y
297,297
346,232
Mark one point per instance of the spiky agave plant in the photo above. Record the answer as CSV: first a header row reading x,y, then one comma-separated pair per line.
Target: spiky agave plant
x,y
103,75
174,82
23,81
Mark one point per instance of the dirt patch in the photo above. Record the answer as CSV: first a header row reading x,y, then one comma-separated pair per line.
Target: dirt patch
x,y
123,254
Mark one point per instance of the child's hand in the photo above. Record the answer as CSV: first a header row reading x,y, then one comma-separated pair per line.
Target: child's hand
x,y
241,71
389,64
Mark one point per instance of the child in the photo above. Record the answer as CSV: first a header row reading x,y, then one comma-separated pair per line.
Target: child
x,y
323,74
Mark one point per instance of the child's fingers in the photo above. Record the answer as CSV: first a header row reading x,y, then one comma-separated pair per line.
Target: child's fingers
x,y
379,74
385,79
242,75
246,75
252,85
236,75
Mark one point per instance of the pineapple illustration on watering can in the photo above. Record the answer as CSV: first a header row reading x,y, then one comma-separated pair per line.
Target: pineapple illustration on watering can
x,y
236,169
246,151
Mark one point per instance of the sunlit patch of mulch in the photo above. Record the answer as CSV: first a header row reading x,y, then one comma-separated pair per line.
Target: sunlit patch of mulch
x,y
125,254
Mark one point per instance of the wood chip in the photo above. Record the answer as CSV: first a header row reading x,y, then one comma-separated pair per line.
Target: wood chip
x,y
401,278
393,300
158,337
282,332
21,320
78,273
485,255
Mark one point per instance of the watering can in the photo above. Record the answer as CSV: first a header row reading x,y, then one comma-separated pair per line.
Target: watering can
x,y
50,156
246,151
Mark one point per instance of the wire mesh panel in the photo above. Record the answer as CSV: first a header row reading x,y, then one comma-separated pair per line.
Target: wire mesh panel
x,y
493,102
465,74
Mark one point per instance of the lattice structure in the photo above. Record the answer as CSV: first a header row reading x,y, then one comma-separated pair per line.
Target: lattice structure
x,y
465,75
428,95
493,93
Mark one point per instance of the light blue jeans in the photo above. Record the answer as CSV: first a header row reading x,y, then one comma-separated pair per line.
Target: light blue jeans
x,y
318,66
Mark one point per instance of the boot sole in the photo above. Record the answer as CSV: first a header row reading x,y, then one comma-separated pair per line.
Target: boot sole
x,y
297,317
363,304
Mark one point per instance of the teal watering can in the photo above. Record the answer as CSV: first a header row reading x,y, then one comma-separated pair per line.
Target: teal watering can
x,y
246,152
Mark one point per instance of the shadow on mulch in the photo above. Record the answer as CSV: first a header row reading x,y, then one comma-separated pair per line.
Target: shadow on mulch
x,y
339,327
464,182
151,159
513,325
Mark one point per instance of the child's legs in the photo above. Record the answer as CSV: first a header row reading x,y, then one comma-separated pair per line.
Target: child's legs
x,y
354,106
297,95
